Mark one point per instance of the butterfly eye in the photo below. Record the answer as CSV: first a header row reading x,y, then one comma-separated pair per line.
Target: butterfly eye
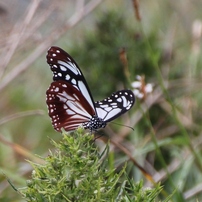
x,y
69,100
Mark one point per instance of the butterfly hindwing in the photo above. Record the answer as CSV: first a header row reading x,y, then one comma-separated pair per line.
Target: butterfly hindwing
x,y
67,107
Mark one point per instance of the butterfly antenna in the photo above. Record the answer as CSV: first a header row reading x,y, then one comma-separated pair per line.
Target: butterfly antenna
x,y
123,125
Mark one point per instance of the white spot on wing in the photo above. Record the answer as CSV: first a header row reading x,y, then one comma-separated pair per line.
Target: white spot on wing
x,y
64,85
67,77
73,81
119,100
56,89
62,68
71,66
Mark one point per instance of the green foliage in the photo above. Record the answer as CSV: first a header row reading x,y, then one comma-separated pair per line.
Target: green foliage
x,y
76,172
104,68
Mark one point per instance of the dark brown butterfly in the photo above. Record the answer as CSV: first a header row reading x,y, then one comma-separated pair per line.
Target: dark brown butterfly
x,y
69,99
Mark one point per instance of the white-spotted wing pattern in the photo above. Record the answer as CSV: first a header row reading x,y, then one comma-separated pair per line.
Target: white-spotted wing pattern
x,y
69,100
118,103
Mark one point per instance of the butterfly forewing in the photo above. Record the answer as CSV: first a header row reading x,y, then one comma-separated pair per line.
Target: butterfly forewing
x,y
115,105
65,68
67,107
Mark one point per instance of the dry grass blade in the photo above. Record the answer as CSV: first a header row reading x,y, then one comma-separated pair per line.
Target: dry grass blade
x,y
20,115
48,41
20,150
17,34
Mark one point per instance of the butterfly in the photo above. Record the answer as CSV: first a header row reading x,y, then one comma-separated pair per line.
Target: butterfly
x,y
69,100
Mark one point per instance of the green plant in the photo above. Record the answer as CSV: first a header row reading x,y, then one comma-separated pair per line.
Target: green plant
x,y
76,171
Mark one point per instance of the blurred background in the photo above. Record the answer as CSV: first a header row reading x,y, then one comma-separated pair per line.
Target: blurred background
x,y
150,47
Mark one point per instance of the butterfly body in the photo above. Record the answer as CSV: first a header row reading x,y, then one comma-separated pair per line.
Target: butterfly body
x,y
94,123
69,99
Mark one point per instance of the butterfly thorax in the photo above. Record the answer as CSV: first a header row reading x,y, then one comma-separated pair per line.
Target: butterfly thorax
x,y
94,123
